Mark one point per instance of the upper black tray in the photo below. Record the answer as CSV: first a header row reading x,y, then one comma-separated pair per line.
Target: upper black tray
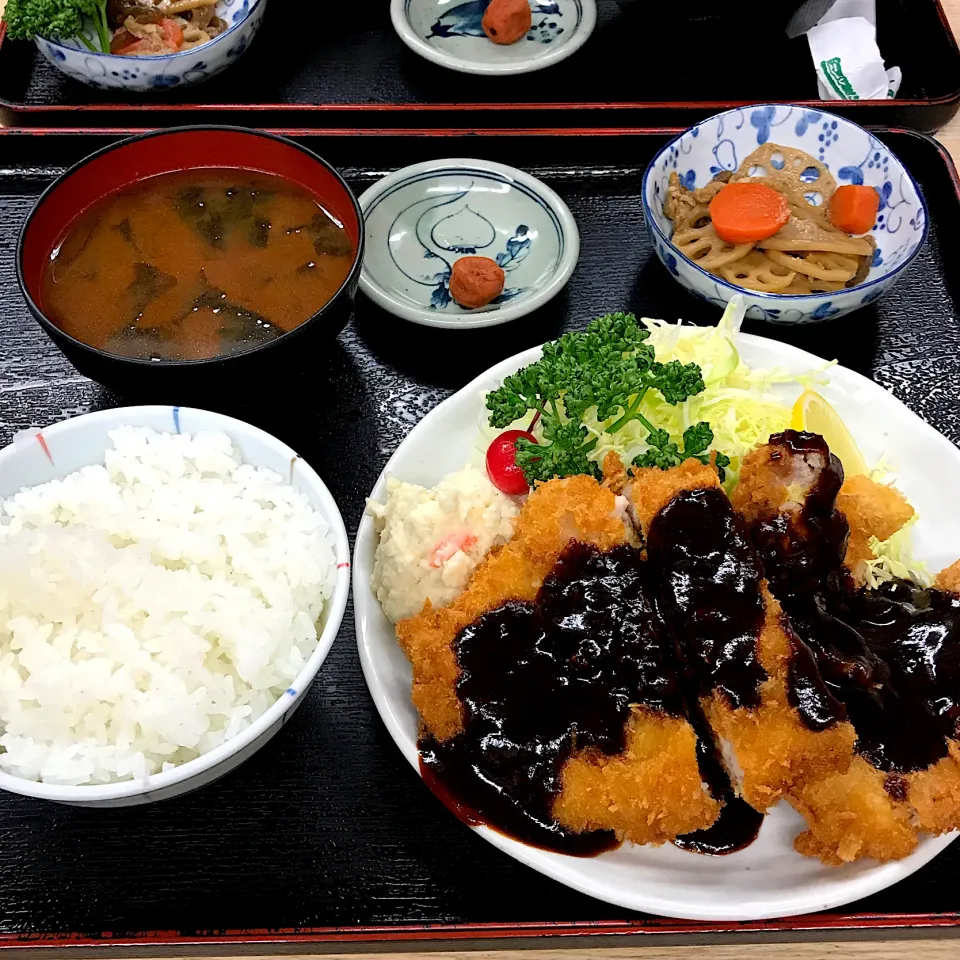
x,y
650,66
327,832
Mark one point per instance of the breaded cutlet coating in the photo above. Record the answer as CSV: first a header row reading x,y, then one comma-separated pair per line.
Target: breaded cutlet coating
x,y
650,793
769,486
559,511
862,812
933,795
767,748
650,489
851,816
774,749
872,510
948,580
867,813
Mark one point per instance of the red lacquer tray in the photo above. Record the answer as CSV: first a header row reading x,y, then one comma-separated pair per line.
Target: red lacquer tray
x,y
326,836
651,65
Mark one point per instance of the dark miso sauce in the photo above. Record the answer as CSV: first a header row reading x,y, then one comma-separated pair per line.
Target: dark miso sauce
x,y
888,658
607,631
539,680
735,829
708,580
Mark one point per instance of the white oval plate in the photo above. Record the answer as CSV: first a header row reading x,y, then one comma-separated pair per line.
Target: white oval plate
x,y
769,879
420,220
449,33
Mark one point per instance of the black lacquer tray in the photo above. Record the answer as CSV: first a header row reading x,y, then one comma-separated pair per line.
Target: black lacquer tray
x,y
651,64
327,834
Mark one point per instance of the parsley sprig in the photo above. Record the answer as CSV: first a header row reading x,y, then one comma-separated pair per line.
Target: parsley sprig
x,y
609,366
58,20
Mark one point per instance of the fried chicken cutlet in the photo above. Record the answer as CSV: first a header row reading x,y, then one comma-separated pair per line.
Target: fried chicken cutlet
x,y
650,791
812,530
907,780
746,699
776,482
554,514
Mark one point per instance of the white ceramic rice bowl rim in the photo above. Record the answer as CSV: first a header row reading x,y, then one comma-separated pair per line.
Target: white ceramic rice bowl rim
x,y
463,321
209,45
155,416
420,46
551,865
779,298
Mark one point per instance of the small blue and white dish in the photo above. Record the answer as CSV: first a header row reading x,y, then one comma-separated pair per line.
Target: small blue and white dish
x,y
852,155
109,71
449,33
420,220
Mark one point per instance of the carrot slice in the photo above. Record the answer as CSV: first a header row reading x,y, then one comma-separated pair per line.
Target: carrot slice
x,y
854,208
171,33
748,212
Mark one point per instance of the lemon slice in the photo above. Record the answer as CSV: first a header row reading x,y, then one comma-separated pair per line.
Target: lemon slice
x,y
813,414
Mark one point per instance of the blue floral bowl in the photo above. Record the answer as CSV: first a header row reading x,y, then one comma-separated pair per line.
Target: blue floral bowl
x,y
107,71
852,154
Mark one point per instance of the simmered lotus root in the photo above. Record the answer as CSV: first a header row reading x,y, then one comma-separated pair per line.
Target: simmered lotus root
x,y
817,264
863,269
689,208
803,285
681,201
756,271
507,21
704,247
799,235
807,255
788,179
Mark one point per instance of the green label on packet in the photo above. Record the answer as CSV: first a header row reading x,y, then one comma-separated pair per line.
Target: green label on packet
x,y
833,71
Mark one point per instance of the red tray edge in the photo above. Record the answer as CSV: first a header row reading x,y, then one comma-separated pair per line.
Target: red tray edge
x,y
821,925
815,924
716,106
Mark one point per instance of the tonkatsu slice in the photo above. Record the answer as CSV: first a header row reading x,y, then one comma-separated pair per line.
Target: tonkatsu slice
x,y
552,674
890,656
732,634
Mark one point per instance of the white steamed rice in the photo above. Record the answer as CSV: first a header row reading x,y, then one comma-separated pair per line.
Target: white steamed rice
x,y
152,607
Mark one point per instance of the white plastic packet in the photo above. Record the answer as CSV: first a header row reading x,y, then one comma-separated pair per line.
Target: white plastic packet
x,y
849,65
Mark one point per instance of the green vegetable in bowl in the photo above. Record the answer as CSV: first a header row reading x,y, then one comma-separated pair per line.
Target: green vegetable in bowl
x,y
605,372
58,20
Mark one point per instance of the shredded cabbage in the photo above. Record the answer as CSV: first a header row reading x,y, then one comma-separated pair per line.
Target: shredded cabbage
x,y
738,402
740,405
893,559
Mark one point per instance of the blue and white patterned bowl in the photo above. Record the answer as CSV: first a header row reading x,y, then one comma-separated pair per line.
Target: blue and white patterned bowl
x,y
420,220
107,71
852,154
449,33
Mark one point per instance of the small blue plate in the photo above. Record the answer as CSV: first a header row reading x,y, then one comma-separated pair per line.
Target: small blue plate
x,y
422,219
450,33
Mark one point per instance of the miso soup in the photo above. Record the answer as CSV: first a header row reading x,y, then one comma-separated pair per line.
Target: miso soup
x,y
192,265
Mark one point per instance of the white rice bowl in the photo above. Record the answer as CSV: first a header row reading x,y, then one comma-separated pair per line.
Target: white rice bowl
x,y
164,605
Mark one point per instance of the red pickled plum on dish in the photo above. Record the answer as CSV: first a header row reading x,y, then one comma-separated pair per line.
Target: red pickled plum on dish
x,y
476,281
507,21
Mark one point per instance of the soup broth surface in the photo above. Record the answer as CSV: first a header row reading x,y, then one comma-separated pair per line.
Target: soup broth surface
x,y
193,265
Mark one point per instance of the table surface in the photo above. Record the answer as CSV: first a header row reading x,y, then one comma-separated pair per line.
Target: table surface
x,y
930,949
